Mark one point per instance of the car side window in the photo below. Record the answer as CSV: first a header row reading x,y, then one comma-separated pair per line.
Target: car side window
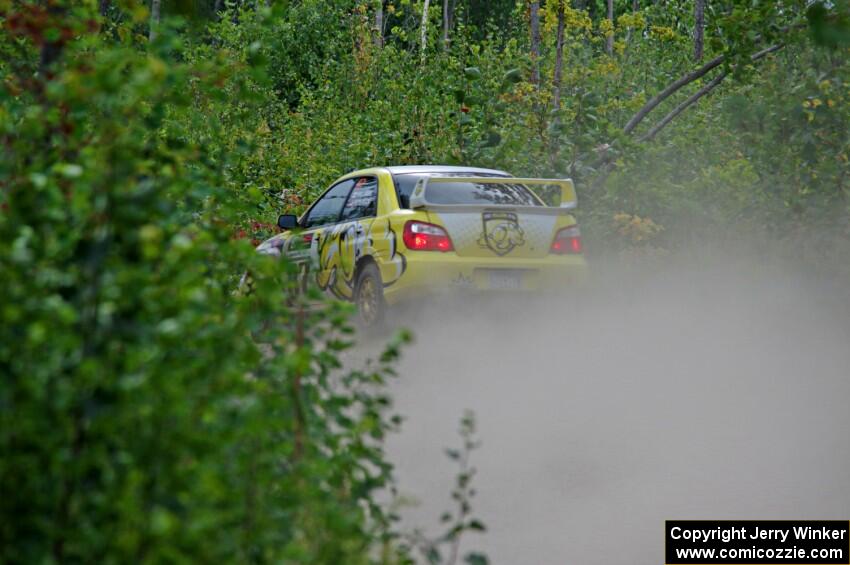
x,y
327,209
363,200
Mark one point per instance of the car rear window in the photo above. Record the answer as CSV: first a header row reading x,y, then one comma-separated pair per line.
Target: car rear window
x,y
465,192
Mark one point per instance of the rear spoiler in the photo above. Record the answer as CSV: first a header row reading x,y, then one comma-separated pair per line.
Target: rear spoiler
x,y
568,194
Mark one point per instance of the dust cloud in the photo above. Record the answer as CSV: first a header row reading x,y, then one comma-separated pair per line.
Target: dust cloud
x,y
703,386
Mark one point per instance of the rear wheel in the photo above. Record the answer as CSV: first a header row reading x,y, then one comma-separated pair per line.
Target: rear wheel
x,y
369,297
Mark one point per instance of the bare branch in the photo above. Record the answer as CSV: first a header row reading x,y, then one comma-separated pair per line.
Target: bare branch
x,y
605,163
684,106
671,89
686,80
700,93
766,51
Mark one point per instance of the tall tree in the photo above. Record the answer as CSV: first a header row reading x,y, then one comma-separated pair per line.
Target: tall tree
x,y
424,29
699,28
155,17
556,83
609,42
448,8
559,59
534,20
379,24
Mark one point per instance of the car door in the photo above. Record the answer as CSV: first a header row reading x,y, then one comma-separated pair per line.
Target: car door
x,y
307,247
353,234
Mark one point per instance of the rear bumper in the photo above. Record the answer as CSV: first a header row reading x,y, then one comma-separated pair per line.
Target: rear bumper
x,y
429,273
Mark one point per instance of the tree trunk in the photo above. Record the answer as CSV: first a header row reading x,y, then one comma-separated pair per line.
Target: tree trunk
x,y
447,21
559,59
424,32
699,28
609,43
556,86
154,23
534,18
379,24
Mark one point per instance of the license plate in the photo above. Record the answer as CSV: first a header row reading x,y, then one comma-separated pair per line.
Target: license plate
x,y
505,280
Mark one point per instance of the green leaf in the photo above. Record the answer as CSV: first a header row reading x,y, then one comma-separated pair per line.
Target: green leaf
x,y
476,525
513,76
474,558
69,170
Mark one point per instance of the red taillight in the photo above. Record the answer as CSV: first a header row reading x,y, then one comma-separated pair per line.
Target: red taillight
x,y
567,241
421,236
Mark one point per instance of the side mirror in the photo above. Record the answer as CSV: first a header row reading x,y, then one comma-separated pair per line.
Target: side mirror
x,y
287,221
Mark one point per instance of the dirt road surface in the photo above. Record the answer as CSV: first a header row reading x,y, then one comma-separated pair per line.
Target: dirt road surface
x,y
692,393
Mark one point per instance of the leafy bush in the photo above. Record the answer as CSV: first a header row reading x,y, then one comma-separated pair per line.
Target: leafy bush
x,y
148,412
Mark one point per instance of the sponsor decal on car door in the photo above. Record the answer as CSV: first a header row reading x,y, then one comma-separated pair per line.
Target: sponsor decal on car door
x,y
341,246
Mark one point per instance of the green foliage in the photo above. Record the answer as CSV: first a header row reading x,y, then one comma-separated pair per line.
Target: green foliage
x,y
830,28
765,150
301,40
148,412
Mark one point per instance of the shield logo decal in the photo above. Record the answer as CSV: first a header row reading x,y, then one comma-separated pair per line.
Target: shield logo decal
x,y
501,232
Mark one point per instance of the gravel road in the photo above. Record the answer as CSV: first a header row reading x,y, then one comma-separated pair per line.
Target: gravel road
x,y
694,392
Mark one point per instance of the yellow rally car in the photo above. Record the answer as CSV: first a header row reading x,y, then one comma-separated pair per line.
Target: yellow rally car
x,y
383,235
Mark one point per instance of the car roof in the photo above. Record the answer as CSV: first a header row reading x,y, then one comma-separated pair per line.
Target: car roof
x,y
437,169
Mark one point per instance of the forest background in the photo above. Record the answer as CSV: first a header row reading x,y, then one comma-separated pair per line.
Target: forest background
x,y
148,413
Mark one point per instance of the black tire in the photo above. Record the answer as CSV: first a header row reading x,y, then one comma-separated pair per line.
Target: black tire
x,y
369,297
